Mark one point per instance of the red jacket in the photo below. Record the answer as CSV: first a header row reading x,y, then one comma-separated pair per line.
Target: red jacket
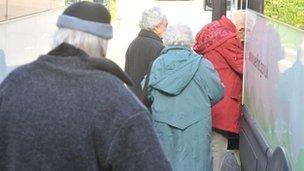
x,y
219,43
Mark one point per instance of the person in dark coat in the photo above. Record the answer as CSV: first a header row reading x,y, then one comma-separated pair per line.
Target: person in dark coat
x,y
70,109
145,47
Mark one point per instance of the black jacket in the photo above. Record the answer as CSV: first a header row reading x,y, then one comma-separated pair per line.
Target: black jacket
x,y
141,52
67,111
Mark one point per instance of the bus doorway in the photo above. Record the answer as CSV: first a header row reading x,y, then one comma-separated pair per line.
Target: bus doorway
x,y
269,133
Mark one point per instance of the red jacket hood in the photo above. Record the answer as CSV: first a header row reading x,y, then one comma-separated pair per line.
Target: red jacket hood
x,y
213,35
227,23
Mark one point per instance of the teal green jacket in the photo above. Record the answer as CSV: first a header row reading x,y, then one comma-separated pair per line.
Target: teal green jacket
x,y
183,87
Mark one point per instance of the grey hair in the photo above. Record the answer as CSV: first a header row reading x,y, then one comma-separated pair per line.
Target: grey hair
x,y
91,44
239,18
178,35
151,18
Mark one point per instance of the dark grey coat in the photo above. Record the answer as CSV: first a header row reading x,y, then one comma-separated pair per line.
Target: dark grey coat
x,y
141,52
66,111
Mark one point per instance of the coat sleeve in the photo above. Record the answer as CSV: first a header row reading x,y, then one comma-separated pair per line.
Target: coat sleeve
x,y
154,52
233,52
212,82
136,147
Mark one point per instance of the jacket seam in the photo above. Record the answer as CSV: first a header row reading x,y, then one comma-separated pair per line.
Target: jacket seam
x,y
119,129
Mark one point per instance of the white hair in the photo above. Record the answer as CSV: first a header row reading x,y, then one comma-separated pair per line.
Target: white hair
x,y
238,18
151,18
178,35
91,44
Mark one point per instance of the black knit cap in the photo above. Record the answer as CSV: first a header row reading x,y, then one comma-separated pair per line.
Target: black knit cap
x,y
88,17
89,11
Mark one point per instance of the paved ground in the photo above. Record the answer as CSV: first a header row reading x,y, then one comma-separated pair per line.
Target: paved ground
x,y
24,39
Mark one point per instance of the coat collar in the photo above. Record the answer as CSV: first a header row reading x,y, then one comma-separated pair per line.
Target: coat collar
x,y
169,48
150,34
67,50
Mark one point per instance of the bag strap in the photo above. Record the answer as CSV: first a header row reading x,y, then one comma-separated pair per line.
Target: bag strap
x,y
145,89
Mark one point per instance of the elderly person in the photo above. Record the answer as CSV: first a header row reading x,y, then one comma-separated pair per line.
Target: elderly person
x,y
218,41
145,47
70,110
239,19
182,87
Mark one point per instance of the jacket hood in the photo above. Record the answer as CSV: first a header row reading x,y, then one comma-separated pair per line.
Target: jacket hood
x,y
174,69
213,35
224,21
